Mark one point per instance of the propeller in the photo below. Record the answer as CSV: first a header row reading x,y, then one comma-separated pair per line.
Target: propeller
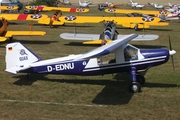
x,y
171,52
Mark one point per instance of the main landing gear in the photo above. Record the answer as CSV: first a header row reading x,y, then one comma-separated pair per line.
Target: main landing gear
x,y
136,81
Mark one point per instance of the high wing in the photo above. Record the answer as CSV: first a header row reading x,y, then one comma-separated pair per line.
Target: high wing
x,y
8,7
126,11
108,48
24,16
130,22
45,8
9,34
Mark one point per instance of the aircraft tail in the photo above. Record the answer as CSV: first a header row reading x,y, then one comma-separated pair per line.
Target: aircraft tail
x,y
170,5
79,2
19,58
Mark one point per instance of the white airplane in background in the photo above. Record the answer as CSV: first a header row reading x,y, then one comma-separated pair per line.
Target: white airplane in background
x,y
66,2
84,4
157,6
136,5
173,8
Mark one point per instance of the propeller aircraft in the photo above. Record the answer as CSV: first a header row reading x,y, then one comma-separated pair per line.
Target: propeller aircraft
x,y
127,59
4,34
136,5
157,6
153,13
164,15
128,22
109,34
84,4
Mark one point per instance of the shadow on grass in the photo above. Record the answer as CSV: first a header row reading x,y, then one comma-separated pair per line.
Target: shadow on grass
x,y
34,41
114,92
79,43
151,29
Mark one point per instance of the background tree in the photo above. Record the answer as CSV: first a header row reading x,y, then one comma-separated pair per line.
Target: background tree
x,y
45,2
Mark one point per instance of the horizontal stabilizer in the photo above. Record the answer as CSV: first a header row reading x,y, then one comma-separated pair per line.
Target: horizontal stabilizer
x,y
21,33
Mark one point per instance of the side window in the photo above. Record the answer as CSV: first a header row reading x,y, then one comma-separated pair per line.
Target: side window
x,y
130,53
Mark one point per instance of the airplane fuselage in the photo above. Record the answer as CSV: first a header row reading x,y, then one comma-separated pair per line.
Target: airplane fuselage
x,y
93,66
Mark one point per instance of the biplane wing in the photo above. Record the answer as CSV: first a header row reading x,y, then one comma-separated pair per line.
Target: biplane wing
x,y
45,8
95,38
129,22
9,34
21,33
23,16
8,7
126,11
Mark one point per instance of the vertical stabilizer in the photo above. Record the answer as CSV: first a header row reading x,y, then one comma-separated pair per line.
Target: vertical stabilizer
x,y
18,57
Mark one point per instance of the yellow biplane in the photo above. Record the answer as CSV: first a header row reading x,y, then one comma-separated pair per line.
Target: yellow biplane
x,y
147,12
4,34
128,22
45,8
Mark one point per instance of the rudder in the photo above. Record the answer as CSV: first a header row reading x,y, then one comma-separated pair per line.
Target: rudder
x,y
18,57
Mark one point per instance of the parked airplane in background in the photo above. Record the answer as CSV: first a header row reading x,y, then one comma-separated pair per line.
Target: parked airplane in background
x,y
128,22
66,2
84,4
108,35
164,15
45,8
154,13
4,34
136,5
157,6
127,59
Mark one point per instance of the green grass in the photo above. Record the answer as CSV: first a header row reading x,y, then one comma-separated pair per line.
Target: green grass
x,y
70,97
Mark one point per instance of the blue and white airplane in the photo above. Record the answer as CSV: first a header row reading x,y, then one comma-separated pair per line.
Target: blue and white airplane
x,y
127,59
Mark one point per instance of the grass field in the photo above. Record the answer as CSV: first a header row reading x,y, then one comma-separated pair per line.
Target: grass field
x,y
66,97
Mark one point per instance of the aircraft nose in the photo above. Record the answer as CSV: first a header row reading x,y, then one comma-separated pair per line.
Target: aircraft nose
x,y
172,52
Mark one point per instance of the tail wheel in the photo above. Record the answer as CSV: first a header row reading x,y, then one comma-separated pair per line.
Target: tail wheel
x,y
135,87
136,27
140,79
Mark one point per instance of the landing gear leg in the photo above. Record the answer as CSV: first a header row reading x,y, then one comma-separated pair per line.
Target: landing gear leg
x,y
135,86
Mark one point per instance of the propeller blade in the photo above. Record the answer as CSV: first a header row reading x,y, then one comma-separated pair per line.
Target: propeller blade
x,y
170,43
172,52
173,63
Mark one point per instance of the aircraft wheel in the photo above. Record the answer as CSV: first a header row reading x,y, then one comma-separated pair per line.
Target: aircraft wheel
x,y
135,87
136,27
140,79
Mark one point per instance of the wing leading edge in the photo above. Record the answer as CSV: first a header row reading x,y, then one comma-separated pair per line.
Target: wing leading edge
x,y
106,49
19,33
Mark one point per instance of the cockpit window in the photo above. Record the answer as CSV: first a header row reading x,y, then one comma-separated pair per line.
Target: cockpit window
x,y
130,53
